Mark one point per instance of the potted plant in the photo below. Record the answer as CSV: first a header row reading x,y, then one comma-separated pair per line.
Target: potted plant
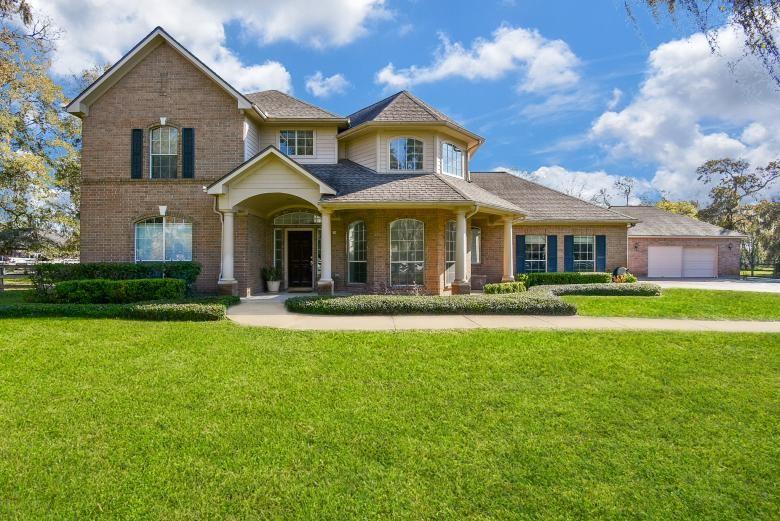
x,y
272,277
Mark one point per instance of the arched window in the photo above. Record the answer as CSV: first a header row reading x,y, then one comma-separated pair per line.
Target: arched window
x,y
449,252
298,217
163,239
357,259
164,152
407,252
451,160
406,154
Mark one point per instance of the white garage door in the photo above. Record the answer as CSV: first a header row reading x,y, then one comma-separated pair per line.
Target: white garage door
x,y
699,262
664,261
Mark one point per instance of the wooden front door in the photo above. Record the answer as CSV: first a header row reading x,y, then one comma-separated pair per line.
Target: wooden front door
x,y
299,259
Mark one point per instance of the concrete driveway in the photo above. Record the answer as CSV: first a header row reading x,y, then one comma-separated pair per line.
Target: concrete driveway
x,y
762,285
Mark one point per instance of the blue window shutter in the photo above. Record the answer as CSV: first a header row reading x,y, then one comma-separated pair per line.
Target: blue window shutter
x,y
568,252
137,153
601,253
520,254
188,152
552,253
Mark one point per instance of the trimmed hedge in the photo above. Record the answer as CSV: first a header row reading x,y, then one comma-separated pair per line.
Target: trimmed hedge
x,y
509,304
639,289
163,311
567,277
103,291
503,287
44,275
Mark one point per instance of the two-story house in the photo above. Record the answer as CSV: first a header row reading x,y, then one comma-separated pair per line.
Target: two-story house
x,y
179,165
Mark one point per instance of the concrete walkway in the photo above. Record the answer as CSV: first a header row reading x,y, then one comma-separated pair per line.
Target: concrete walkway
x,y
755,284
270,312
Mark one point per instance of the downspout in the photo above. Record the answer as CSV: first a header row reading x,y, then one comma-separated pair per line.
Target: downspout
x,y
470,215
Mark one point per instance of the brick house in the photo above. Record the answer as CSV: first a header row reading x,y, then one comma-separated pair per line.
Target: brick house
x,y
179,165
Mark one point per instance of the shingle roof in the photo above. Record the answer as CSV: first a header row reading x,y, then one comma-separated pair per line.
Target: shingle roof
x,y
401,106
356,183
277,104
542,203
655,222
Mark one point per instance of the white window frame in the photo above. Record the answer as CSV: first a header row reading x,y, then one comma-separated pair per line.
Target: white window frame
x,y
278,258
450,246
390,252
152,131
476,246
406,138
574,250
444,145
542,242
164,222
350,227
296,130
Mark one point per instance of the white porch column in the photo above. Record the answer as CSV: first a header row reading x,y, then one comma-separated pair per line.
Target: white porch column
x,y
227,247
325,284
509,274
460,246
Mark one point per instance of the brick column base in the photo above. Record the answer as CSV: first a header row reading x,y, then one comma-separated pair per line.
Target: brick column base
x,y
324,287
461,288
228,288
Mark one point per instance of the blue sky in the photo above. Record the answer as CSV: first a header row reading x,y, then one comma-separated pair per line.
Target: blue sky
x,y
573,96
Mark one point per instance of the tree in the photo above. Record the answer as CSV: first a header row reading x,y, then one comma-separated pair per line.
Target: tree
x,y
625,185
758,20
39,157
768,218
689,208
733,182
602,198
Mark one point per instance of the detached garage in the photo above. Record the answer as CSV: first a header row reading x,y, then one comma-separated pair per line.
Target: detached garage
x,y
667,245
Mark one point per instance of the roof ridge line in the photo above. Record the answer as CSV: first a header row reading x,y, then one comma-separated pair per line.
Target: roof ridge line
x,y
422,104
377,103
296,99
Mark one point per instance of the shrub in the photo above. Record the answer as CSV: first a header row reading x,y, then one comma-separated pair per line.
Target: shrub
x,y
271,274
567,277
639,289
103,291
504,287
44,275
151,311
509,304
626,278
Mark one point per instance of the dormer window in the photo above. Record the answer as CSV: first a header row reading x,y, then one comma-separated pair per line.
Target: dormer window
x,y
451,160
296,142
406,154
164,152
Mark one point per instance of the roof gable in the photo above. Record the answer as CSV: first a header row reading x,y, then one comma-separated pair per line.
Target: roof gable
x,y
400,107
81,103
542,203
656,222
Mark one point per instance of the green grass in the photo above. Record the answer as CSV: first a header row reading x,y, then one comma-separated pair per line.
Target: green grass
x,y
759,272
109,418
684,303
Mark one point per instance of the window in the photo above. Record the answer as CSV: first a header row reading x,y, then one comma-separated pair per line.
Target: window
x,y
476,245
450,234
535,253
407,252
297,142
163,239
406,154
293,218
356,253
278,244
584,257
164,152
451,160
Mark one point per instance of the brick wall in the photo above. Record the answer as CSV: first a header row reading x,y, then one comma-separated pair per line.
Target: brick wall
x,y
728,260
493,247
163,84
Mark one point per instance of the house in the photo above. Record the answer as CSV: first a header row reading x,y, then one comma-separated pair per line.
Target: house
x,y
179,165
665,244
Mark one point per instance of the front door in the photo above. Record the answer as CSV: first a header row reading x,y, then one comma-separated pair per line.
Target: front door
x,y
299,259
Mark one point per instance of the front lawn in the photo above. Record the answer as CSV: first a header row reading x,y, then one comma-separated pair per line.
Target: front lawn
x,y
684,303
209,420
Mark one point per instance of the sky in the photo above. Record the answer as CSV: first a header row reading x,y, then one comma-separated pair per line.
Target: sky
x,y
571,94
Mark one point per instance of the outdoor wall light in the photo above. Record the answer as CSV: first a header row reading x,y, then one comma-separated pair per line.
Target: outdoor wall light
x,y
636,246
163,210
730,246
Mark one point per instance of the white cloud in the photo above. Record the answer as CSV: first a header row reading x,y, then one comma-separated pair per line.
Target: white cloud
x,y
101,31
545,64
585,185
689,104
614,101
323,87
